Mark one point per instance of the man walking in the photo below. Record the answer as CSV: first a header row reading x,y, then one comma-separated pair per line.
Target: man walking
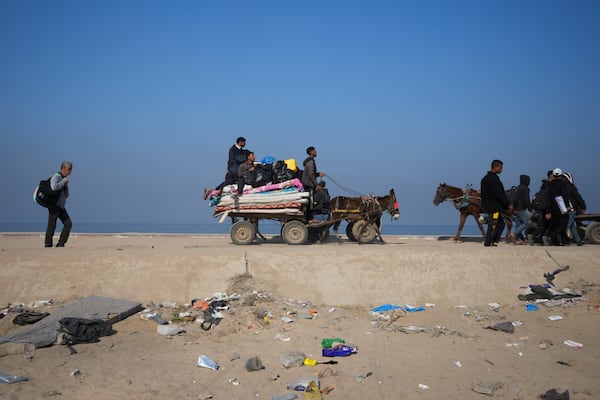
x,y
59,182
493,202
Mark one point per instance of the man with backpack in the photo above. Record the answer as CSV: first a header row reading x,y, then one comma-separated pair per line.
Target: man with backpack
x,y
59,182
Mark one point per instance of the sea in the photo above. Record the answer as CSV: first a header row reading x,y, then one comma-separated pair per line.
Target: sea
x,y
265,227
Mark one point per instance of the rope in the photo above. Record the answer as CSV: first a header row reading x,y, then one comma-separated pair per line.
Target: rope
x,y
354,192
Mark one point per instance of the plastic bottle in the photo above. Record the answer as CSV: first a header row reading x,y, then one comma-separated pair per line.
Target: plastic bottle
x,y
328,343
339,351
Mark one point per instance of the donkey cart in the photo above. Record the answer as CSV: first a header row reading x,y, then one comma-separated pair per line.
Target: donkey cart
x,y
362,214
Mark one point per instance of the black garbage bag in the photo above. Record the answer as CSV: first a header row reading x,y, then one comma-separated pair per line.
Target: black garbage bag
x,y
81,330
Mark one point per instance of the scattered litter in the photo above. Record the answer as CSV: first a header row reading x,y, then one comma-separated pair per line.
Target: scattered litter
x,y
429,305
531,307
206,362
75,373
6,378
287,320
235,381
360,378
327,372
555,318
423,387
573,344
300,384
458,364
292,359
41,303
553,394
169,330
483,388
281,338
494,306
234,356
433,331
332,309
568,363
505,326
518,323
254,364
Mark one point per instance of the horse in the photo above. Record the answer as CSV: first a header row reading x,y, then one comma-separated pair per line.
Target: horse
x,y
468,202
363,215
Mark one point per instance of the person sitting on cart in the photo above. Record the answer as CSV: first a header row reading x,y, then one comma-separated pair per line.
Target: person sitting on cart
x,y
321,200
243,170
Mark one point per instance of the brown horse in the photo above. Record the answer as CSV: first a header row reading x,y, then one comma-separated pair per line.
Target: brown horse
x,y
363,215
468,202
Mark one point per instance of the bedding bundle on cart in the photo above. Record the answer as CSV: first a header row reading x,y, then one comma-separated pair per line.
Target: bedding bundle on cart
x,y
269,188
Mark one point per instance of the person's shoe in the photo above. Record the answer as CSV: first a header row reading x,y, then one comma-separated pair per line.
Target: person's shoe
x,y
48,245
519,242
60,245
206,193
579,243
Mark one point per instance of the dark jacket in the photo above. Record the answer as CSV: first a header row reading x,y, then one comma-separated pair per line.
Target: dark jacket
x,y
309,175
523,202
321,201
577,200
236,157
557,187
493,196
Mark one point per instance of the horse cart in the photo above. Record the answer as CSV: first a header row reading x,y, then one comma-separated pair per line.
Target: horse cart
x,y
362,214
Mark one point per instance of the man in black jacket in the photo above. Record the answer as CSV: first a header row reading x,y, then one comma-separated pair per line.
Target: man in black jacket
x,y
558,205
493,202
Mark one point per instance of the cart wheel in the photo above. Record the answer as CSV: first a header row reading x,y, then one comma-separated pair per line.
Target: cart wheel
x,y
592,232
364,231
349,231
243,232
294,232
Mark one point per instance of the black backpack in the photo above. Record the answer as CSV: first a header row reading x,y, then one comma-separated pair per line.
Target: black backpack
x,y
511,194
44,195
538,202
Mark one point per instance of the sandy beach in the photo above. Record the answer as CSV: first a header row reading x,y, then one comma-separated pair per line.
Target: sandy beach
x,y
443,351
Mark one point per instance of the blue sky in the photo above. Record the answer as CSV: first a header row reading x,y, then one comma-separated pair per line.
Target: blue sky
x,y
146,97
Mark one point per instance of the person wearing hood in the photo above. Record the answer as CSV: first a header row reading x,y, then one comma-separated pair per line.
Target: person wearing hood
x,y
578,206
521,209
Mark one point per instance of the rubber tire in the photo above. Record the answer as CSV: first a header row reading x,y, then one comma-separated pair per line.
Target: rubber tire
x,y
349,231
592,232
368,231
243,232
294,232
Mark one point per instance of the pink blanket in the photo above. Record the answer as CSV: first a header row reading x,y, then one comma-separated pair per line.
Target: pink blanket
x,y
266,188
